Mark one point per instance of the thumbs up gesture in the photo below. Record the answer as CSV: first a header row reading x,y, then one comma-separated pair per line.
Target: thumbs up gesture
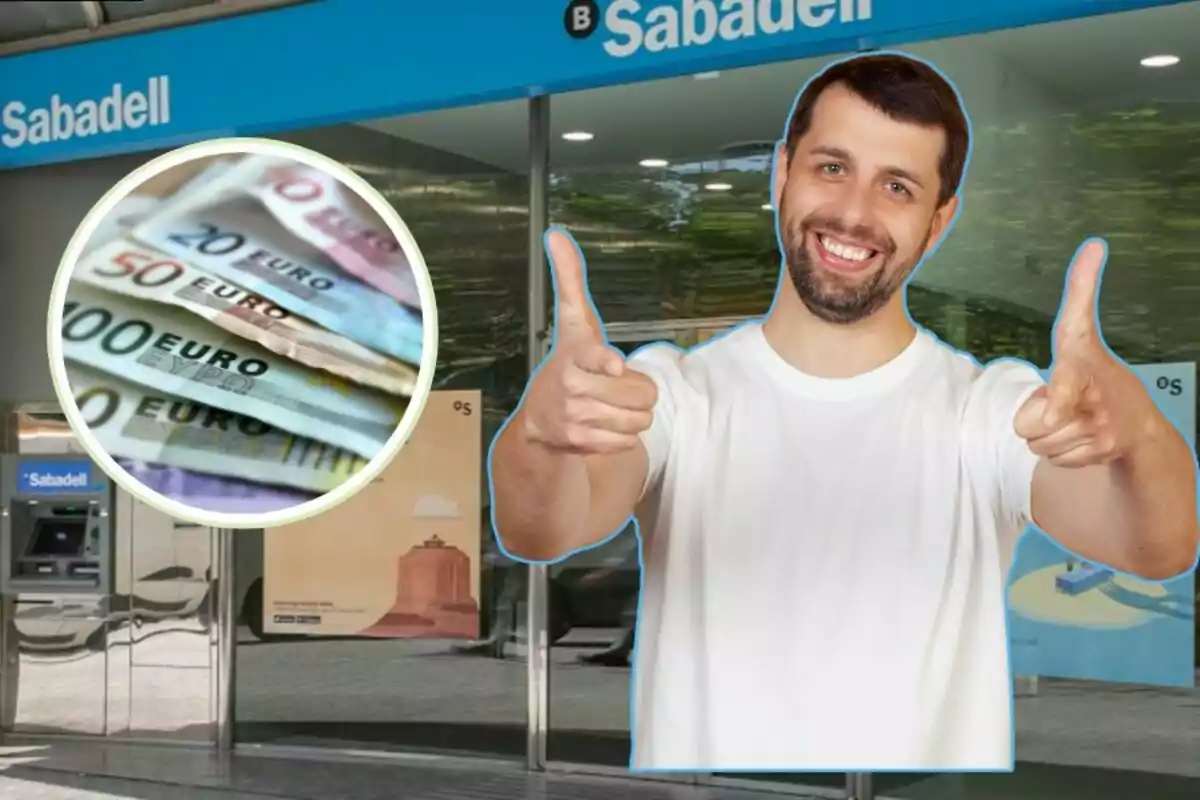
x,y
1094,409
583,399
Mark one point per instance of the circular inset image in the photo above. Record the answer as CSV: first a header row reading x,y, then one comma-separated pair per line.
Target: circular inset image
x,y
242,333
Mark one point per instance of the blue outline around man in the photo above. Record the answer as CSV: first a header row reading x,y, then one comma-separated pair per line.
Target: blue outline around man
x,y
831,496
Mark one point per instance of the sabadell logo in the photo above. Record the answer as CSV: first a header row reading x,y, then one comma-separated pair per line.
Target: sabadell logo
x,y
629,26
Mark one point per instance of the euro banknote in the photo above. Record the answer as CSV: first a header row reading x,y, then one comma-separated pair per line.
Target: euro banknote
x,y
222,494
238,241
132,422
133,208
170,350
126,213
133,269
318,208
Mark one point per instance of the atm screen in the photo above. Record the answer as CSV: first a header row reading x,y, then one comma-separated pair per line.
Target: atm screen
x,y
58,538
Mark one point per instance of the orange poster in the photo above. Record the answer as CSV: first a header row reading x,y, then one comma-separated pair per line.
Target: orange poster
x,y
400,558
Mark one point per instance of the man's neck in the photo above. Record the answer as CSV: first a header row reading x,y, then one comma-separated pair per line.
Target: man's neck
x,y
825,350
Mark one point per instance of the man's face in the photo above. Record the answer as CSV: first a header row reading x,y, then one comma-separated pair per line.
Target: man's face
x,y
858,206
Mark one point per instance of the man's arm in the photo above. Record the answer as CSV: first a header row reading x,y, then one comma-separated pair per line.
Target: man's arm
x,y
1115,482
1136,513
569,467
550,504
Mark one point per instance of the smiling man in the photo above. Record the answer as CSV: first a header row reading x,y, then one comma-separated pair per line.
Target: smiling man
x,y
832,496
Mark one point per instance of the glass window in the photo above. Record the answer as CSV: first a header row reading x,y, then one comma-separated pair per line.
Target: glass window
x,y
468,211
1073,137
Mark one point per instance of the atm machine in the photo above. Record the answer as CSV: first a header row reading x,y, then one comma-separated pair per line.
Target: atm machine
x,y
105,603
56,573
54,526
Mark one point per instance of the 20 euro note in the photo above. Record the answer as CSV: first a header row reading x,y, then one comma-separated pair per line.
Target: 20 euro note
x,y
133,208
132,422
238,241
316,207
135,270
170,350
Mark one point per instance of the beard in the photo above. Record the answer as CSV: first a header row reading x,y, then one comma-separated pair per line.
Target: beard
x,y
845,299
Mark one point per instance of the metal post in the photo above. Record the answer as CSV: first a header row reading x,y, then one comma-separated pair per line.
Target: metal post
x,y
226,618
858,786
537,619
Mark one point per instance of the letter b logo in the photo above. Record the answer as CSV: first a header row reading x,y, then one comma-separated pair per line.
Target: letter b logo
x,y
581,18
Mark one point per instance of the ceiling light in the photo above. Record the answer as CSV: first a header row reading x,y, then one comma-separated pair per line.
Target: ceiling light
x,y
718,187
653,163
1160,61
707,76
579,136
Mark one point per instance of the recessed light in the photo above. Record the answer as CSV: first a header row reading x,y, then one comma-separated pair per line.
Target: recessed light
x,y
1160,61
653,163
768,207
707,76
718,187
579,136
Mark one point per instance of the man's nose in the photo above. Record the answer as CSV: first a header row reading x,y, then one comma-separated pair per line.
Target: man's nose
x,y
854,205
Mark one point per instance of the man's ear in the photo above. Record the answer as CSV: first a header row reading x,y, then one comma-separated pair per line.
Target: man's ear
x,y
941,223
779,175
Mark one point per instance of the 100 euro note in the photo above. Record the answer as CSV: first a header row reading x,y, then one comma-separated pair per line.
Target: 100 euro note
x,y
172,351
135,270
237,240
316,207
133,422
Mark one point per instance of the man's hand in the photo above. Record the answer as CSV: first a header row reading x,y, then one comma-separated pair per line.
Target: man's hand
x,y
583,399
1095,410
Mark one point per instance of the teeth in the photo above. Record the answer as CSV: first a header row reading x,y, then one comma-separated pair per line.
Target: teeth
x,y
845,251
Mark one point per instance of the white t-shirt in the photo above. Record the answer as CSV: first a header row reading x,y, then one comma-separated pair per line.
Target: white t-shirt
x,y
824,561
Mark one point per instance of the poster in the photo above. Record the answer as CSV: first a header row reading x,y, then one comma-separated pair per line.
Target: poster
x,y
401,558
1071,619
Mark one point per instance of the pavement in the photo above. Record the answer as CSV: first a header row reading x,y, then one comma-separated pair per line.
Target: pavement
x,y
108,771
406,699
1076,723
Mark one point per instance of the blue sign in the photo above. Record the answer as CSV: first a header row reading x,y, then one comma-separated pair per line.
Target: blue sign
x,y
1071,619
333,61
59,477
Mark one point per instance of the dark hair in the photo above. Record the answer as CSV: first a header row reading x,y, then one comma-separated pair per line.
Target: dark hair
x,y
905,89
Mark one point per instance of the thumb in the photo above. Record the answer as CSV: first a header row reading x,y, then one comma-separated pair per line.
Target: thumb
x,y
573,312
1077,314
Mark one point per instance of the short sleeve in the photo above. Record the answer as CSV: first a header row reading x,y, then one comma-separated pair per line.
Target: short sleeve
x,y
662,363
1006,462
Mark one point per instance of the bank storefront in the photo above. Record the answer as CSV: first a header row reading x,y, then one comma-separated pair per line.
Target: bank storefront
x,y
647,129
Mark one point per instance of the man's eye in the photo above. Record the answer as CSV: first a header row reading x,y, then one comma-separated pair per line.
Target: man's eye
x,y
895,187
831,169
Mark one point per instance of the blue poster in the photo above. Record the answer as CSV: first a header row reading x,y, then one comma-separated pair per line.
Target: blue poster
x,y
1068,618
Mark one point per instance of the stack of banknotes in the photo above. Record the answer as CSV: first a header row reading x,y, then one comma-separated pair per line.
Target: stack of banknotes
x,y
255,333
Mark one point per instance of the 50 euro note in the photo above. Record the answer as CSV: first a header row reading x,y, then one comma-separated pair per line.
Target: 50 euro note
x,y
129,268
236,240
132,422
319,209
172,351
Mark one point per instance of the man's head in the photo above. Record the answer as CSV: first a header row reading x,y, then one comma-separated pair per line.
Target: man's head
x,y
867,181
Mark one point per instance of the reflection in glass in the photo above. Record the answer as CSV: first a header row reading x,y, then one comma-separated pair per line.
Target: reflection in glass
x,y
470,221
1059,155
